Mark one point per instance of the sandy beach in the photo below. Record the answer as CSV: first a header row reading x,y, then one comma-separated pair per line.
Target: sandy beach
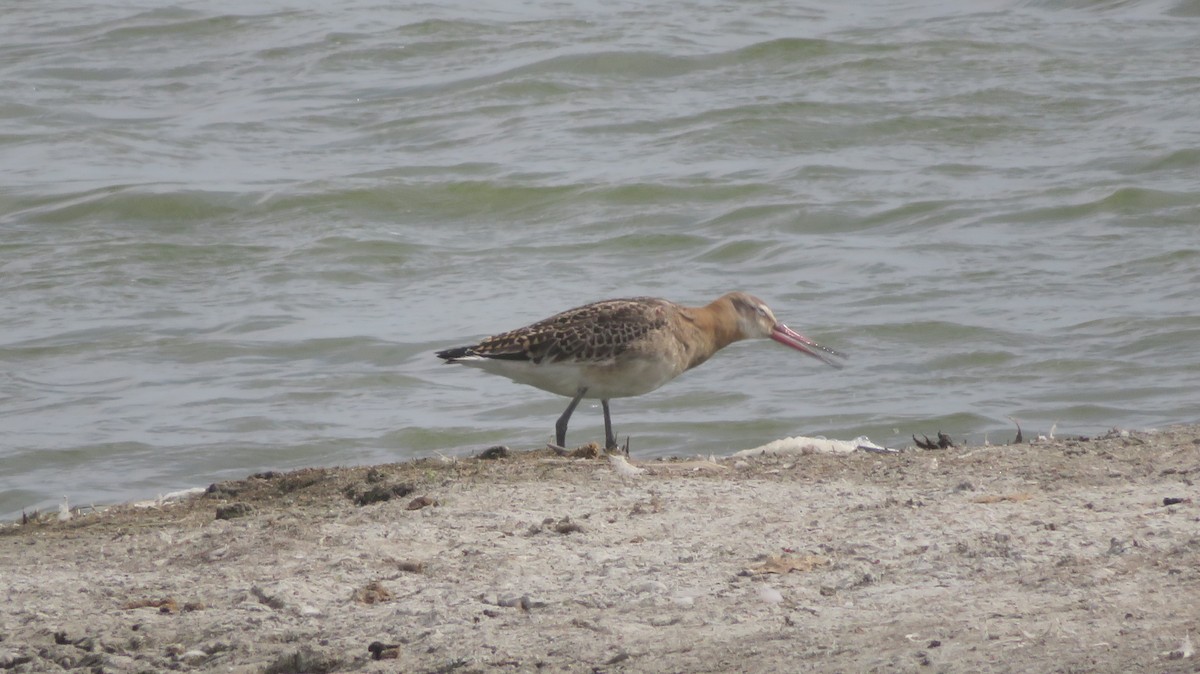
x,y
1065,555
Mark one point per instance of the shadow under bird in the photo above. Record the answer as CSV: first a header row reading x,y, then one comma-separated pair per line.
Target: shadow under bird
x,y
625,347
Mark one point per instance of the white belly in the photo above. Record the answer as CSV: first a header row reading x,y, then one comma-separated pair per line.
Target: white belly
x,y
629,377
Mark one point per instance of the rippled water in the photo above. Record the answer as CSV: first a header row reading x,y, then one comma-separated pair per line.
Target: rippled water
x,y
231,241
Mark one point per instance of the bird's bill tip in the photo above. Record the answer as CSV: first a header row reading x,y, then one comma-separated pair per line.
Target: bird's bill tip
x,y
789,337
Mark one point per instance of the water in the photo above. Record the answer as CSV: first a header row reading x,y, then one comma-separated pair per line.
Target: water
x,y
230,241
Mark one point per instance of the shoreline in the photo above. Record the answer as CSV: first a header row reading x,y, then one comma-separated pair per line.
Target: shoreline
x,y
1047,555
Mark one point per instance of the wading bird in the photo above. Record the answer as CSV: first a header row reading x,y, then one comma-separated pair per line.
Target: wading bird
x,y
625,347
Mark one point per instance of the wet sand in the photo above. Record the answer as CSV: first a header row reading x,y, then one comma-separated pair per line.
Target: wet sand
x,y
1057,555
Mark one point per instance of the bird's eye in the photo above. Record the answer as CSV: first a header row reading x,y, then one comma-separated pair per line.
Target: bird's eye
x,y
762,311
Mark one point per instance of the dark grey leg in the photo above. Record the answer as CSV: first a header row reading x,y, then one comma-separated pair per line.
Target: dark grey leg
x,y
610,440
560,428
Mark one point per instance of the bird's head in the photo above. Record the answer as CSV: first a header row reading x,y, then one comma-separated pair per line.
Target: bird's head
x,y
756,320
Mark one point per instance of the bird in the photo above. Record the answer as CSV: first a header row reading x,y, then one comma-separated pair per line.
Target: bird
x,y
626,347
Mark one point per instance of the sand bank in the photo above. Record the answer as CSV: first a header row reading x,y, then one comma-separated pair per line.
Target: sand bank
x,y
1053,556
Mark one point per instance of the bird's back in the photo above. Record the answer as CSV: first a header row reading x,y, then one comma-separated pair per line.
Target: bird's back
x,y
613,349
591,334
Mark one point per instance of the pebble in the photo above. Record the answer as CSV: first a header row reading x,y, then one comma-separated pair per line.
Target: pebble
x,y
650,586
769,594
622,467
523,602
684,601
216,553
12,659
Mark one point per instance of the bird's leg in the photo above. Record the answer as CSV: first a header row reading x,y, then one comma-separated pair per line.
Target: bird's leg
x,y
560,427
610,440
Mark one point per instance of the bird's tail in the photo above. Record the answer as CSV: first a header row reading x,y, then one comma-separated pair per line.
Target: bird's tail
x,y
452,355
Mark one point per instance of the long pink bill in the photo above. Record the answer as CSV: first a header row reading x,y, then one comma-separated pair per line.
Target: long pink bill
x,y
785,335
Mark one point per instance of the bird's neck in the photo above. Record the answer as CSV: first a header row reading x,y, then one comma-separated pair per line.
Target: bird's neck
x,y
713,328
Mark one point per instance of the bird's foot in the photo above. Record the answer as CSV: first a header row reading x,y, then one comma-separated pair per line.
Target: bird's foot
x,y
611,446
557,449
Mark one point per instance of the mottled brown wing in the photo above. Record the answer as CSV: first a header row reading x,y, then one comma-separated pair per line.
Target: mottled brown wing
x,y
593,332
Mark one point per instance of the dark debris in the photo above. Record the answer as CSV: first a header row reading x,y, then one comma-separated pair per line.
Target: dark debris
x,y
493,453
378,493
943,442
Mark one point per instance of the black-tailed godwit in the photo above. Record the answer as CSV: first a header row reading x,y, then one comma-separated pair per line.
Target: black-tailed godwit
x,y
625,347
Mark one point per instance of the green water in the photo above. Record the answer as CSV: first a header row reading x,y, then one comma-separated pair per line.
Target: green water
x,y
231,237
